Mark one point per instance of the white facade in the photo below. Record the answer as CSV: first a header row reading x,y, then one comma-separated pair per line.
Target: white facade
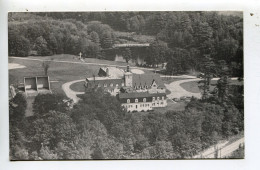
x,y
143,105
140,106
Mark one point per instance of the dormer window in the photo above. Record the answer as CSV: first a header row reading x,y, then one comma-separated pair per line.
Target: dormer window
x,y
158,98
136,100
153,98
128,101
163,98
144,99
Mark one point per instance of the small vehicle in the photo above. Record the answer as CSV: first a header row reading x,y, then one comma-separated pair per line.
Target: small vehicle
x,y
175,99
201,75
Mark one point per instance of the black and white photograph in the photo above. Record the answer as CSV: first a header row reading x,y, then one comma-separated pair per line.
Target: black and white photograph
x,y
126,85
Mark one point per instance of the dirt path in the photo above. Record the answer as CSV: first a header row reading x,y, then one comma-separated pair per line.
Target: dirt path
x,y
71,93
177,91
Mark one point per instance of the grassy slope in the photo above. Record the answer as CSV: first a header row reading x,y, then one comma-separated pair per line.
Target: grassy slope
x,y
61,72
193,85
78,87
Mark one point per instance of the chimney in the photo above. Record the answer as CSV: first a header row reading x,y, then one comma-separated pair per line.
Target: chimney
x,y
127,68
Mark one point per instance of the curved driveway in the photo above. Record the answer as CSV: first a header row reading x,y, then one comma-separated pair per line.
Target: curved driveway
x,y
177,91
71,93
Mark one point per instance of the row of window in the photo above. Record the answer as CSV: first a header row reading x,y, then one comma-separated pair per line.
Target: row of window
x,y
111,85
128,106
141,105
157,103
141,87
144,99
144,105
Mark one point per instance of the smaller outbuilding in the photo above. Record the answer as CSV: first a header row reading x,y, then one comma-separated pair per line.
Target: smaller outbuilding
x,y
35,85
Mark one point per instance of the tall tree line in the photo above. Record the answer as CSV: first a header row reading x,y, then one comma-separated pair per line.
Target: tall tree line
x,y
183,39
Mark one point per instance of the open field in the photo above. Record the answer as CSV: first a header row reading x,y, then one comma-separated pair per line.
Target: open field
x,y
193,85
58,72
170,80
65,58
68,57
78,87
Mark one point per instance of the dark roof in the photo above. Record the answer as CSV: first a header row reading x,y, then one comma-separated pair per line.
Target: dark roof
x,y
92,83
133,95
140,95
123,97
147,80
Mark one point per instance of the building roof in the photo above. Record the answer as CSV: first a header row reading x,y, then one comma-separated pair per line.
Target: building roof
x,y
139,95
123,97
147,80
113,72
101,82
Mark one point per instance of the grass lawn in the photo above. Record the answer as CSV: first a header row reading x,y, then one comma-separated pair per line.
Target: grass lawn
x,y
58,72
78,87
74,58
193,85
170,80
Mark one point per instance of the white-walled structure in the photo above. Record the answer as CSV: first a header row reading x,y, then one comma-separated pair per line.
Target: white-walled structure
x,y
139,92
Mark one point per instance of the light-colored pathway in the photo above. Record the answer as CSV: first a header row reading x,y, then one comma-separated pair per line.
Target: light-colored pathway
x,y
71,93
177,91
223,149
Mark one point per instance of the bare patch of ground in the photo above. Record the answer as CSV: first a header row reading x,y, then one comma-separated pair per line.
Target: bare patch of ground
x,y
137,71
12,66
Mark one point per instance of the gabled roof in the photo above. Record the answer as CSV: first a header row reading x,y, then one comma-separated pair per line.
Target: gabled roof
x,y
101,82
139,95
147,80
113,72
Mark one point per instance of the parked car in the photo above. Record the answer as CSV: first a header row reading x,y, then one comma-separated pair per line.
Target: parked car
x,y
175,99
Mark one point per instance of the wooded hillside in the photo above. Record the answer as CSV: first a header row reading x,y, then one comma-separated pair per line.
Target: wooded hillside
x,y
182,39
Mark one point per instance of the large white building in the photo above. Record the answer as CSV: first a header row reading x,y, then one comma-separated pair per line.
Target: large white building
x,y
139,92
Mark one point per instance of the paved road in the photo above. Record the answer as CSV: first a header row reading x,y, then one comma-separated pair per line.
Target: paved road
x,y
71,93
177,91
223,149
228,150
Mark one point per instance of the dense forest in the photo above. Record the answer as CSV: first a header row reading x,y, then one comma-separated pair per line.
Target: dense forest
x,y
98,128
181,39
